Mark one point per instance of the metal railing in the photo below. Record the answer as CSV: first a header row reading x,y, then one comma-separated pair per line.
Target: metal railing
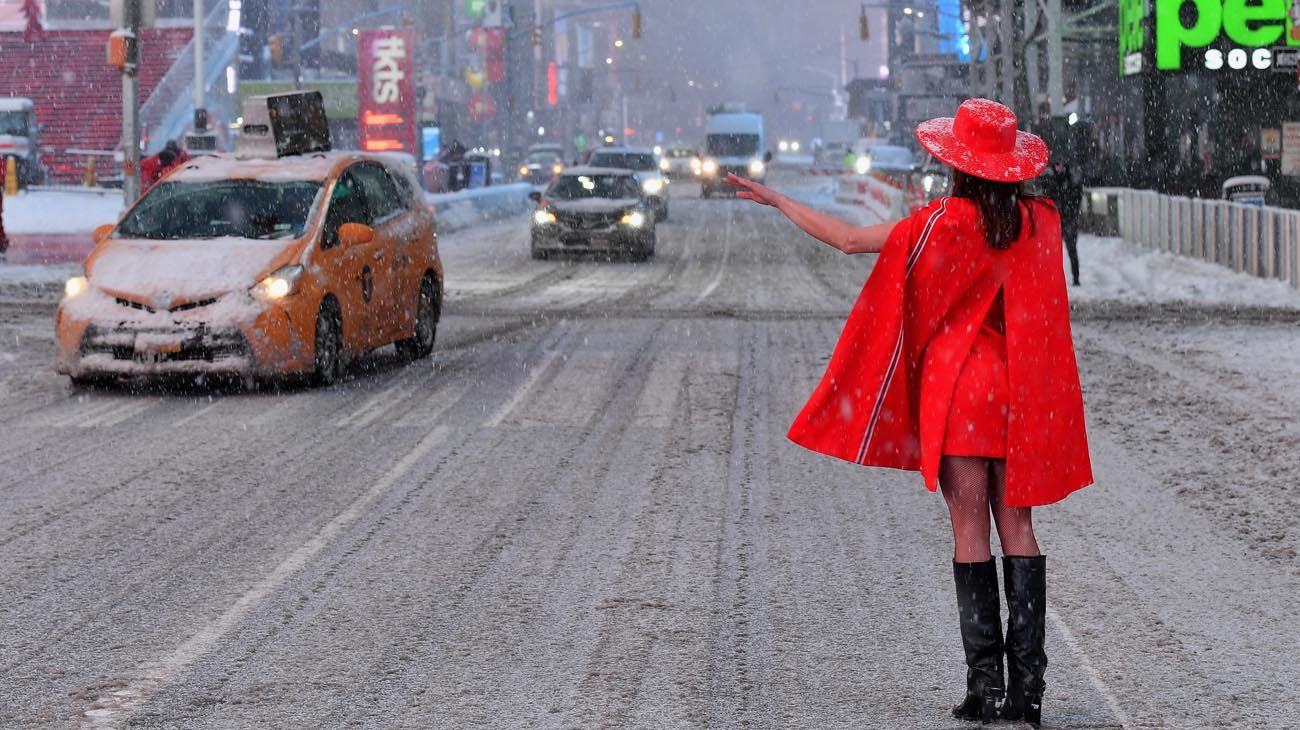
x,y
1257,240
169,110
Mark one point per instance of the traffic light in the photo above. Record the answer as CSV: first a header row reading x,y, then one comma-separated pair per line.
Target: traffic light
x,y
537,35
636,23
864,32
276,48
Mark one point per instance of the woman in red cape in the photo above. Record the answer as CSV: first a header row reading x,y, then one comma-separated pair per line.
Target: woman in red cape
x,y
956,361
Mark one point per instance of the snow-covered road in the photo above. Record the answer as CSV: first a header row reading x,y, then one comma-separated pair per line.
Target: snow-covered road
x,y
582,512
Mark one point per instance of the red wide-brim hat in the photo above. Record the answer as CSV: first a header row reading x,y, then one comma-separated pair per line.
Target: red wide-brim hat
x,y
982,140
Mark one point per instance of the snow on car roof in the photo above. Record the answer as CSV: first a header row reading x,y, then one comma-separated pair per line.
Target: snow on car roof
x,y
315,166
598,171
14,104
623,150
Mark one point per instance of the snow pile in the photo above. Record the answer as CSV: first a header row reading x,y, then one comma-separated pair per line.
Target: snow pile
x,y
1112,269
61,211
466,208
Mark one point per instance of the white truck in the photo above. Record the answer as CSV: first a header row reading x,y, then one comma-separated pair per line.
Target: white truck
x,y
836,141
18,138
734,144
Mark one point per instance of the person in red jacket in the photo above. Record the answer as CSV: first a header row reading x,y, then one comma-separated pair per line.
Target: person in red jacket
x,y
4,237
957,361
153,167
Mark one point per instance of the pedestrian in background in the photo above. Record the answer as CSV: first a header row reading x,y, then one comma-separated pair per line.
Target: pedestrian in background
x,y
956,361
153,167
1064,187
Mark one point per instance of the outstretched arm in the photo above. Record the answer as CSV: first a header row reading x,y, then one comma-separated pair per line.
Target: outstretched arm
x,y
825,228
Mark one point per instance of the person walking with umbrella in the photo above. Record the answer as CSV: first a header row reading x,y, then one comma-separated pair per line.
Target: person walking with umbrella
x,y
956,361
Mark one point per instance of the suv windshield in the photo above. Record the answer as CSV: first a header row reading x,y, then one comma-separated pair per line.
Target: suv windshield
x,y
733,145
13,123
234,208
580,187
541,158
624,160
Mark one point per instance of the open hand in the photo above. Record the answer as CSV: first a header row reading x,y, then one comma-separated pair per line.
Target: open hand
x,y
755,191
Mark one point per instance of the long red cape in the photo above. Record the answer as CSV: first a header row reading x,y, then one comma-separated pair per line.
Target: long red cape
x,y
885,396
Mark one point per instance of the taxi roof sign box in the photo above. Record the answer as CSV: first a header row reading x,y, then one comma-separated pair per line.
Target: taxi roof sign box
x,y
276,125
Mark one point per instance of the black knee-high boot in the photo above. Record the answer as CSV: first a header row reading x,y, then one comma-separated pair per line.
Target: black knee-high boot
x,y
1026,584
981,637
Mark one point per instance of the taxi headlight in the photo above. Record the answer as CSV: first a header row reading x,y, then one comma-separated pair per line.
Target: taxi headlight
x,y
862,165
280,284
523,171
756,167
696,165
75,286
710,167
784,146
794,146
635,219
543,217
652,185
557,168
665,165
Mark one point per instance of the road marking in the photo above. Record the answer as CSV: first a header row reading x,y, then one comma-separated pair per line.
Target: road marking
x,y
109,709
84,411
114,416
726,254
1086,666
504,411
375,407
440,402
205,410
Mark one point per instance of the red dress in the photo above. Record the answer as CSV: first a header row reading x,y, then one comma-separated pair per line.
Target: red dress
x,y
977,417
921,353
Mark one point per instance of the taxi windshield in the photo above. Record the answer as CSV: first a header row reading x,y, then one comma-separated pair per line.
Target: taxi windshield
x,y
222,208
580,187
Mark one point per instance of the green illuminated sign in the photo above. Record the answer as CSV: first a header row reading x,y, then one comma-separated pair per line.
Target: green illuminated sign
x,y
474,8
1236,34
1132,36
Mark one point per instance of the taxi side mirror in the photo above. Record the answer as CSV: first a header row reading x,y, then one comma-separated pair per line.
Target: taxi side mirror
x,y
535,196
101,233
352,234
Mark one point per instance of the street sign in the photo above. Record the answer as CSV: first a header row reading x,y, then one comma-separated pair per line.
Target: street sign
x,y
386,90
474,8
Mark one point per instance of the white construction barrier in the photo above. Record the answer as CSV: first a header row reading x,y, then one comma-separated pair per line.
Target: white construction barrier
x,y
878,196
1261,241
465,208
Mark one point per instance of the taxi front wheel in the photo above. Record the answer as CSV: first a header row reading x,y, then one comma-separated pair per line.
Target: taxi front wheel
x,y
329,345
427,312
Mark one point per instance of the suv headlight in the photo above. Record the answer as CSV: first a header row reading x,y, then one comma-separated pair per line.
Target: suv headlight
x,y
543,217
756,167
280,284
635,219
710,167
652,185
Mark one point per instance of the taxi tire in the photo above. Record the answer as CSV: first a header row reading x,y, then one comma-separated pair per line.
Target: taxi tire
x,y
329,343
428,309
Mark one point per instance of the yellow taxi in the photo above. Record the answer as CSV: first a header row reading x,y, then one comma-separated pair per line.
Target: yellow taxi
x,y
258,266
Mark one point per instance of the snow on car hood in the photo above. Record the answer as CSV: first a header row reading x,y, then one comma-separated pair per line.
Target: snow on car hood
x,y
166,273
595,205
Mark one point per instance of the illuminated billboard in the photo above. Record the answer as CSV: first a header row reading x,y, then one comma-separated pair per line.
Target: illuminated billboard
x,y
1208,35
386,90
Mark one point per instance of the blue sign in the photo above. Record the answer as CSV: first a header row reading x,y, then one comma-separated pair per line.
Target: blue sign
x,y
430,142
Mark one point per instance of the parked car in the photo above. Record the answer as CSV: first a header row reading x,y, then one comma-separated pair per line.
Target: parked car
x,y
593,209
642,161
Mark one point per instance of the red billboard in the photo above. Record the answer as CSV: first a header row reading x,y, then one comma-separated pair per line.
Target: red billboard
x,y
386,84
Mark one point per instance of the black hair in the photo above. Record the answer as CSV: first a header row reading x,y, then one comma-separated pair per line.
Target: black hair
x,y
998,204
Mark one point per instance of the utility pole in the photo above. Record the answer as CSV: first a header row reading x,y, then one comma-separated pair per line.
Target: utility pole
x,y
295,29
201,139
131,103
1055,60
